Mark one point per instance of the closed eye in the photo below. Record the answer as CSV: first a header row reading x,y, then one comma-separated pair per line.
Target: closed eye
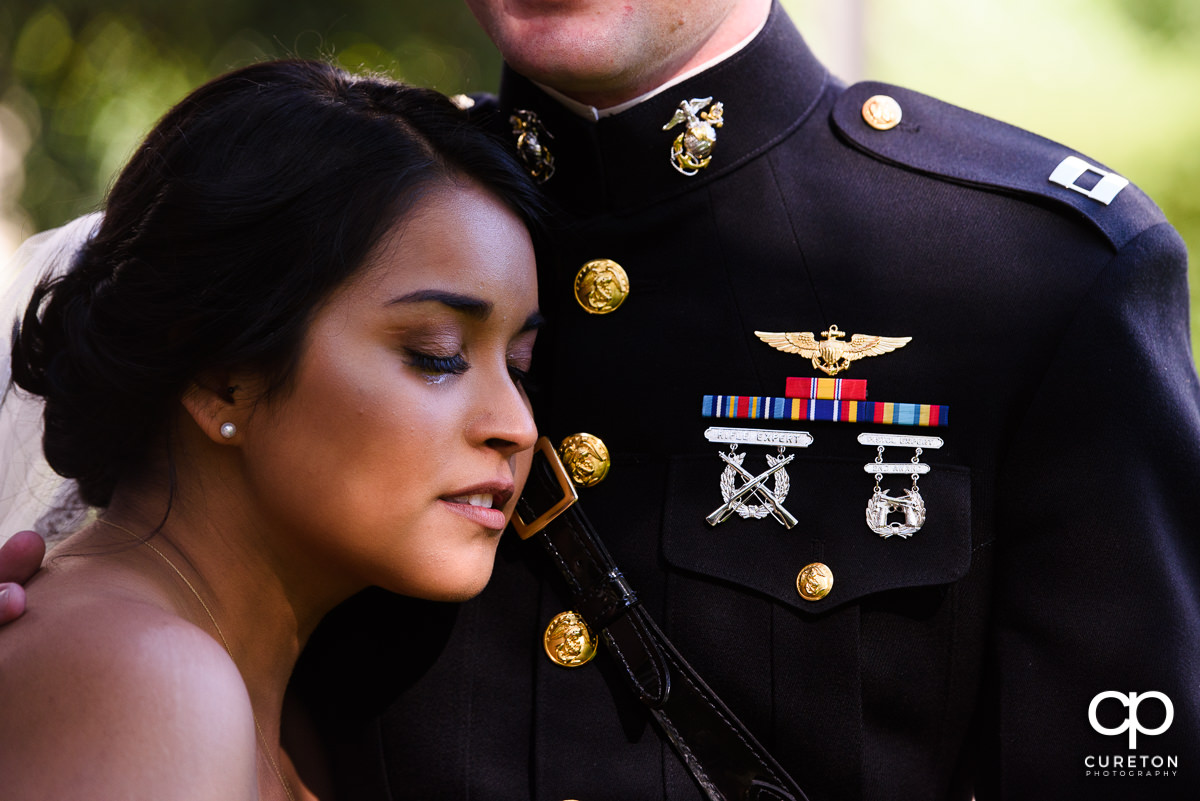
x,y
519,376
438,365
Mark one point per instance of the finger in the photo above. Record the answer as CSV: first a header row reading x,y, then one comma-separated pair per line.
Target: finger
x,y
21,557
12,602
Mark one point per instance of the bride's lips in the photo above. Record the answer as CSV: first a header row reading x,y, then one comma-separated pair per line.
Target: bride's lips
x,y
483,504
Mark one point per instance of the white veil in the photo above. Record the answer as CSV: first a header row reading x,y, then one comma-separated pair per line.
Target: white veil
x,y
31,494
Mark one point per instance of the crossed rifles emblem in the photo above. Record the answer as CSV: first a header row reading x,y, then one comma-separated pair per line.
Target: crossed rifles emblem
x,y
755,486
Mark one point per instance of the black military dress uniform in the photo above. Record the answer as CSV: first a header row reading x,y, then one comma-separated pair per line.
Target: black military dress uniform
x,y
1060,556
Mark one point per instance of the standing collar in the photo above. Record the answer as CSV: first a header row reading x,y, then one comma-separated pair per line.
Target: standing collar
x,y
623,161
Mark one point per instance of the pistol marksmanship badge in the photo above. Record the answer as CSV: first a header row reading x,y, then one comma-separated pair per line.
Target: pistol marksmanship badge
x,y
882,504
755,486
692,150
534,155
831,355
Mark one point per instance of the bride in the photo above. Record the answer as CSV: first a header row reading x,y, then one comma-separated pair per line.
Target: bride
x,y
287,365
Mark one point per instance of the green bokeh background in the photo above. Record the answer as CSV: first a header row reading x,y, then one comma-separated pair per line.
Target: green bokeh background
x,y
80,85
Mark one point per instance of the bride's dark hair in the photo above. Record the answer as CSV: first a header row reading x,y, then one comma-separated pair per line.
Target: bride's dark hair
x,y
248,203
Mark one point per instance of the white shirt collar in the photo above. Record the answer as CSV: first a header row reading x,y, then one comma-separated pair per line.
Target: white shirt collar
x,y
592,113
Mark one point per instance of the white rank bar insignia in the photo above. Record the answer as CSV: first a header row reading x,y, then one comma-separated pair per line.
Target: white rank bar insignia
x,y
1072,168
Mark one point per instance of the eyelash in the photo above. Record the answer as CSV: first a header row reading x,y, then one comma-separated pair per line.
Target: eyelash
x,y
519,377
456,365
439,365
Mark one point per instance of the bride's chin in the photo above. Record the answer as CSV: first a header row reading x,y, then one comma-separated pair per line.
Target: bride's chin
x,y
461,583
466,595
454,594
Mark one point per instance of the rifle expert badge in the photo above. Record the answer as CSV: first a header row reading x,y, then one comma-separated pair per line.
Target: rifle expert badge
x,y
754,486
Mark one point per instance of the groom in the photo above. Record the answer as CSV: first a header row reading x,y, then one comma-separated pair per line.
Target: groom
x,y
1040,296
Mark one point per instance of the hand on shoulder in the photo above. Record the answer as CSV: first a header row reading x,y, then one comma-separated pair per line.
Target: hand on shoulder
x,y
117,698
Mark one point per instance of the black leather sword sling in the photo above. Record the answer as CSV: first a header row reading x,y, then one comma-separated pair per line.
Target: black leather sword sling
x,y
723,757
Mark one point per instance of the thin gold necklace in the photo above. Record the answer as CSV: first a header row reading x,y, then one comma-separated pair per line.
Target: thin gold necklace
x,y
262,740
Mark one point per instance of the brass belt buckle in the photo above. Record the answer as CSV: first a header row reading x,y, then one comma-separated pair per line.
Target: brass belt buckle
x,y
570,496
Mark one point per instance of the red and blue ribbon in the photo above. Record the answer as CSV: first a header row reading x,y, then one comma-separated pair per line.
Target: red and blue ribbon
x,y
750,407
826,388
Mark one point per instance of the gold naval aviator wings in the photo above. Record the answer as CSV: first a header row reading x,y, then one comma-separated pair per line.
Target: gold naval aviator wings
x,y
831,355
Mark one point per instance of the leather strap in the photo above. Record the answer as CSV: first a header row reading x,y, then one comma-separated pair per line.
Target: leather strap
x,y
723,757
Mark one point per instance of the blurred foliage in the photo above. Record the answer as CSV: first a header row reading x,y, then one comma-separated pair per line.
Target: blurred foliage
x,y
1170,20
81,82
86,81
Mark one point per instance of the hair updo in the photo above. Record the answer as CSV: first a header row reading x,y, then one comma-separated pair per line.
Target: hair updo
x,y
245,207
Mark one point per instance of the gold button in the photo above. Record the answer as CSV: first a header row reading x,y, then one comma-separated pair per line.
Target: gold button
x,y
601,286
586,459
814,582
569,641
881,112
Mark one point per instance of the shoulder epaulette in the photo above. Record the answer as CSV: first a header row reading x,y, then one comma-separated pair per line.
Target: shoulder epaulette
x,y
942,140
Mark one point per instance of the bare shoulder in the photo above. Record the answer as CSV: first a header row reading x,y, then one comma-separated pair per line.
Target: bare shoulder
x,y
107,696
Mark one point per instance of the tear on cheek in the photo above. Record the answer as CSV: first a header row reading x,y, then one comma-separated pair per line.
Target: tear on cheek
x,y
439,378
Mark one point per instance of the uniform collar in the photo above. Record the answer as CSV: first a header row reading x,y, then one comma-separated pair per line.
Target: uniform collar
x,y
623,161
593,113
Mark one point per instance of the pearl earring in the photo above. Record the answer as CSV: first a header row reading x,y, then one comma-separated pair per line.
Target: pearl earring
x,y
228,430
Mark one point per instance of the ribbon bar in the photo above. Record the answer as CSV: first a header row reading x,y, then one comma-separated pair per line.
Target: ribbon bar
x,y
826,388
749,407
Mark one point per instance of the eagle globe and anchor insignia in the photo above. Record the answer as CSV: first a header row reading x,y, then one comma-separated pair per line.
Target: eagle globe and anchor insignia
x,y
692,149
531,148
569,641
831,355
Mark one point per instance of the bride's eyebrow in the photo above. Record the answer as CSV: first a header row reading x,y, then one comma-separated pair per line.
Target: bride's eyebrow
x,y
471,306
